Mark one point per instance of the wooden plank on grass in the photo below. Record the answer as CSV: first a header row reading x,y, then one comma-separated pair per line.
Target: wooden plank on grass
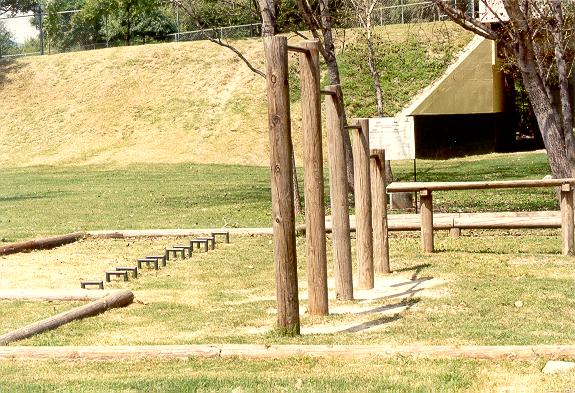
x,y
257,351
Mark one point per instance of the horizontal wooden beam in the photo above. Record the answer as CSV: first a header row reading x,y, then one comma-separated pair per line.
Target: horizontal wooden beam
x,y
475,185
352,127
258,351
328,93
497,220
292,48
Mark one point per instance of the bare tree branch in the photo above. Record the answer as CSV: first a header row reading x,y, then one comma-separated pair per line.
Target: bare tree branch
x,y
466,21
195,18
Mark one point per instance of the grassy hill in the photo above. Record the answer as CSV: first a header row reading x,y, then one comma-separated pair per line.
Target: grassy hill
x,y
184,102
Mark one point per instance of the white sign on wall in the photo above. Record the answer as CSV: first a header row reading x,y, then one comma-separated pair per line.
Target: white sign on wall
x,y
395,135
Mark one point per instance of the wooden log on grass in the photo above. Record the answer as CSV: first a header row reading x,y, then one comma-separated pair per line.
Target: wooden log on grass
x,y
116,299
50,294
44,243
261,351
313,179
283,214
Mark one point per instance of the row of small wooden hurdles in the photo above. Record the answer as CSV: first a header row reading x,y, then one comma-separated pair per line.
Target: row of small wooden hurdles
x,y
154,261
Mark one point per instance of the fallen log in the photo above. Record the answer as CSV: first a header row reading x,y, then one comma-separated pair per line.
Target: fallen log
x,y
259,351
80,295
116,299
38,244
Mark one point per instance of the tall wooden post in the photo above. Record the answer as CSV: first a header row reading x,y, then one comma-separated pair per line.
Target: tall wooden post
x,y
379,212
426,208
313,179
282,184
364,231
338,194
567,219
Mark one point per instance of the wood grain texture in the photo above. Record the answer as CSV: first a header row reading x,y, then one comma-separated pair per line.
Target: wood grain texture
x,y
283,215
379,212
362,185
341,243
567,220
426,211
313,179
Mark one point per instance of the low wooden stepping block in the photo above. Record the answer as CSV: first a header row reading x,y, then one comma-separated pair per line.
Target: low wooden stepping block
x,y
187,248
158,258
148,261
133,269
174,251
117,274
199,242
226,235
99,283
210,239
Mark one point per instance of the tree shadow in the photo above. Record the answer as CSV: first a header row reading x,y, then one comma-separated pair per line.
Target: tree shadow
x,y
7,66
23,197
406,304
416,270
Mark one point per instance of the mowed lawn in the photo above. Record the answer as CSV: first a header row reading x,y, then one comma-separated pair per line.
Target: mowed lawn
x,y
39,201
490,287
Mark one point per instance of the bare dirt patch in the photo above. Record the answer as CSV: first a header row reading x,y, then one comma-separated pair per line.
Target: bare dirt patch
x,y
372,309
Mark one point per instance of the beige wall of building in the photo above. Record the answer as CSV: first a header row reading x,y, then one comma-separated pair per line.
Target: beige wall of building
x,y
474,86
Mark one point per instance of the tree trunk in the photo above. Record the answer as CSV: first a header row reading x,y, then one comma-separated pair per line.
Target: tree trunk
x,y
372,68
268,14
269,19
333,71
548,118
563,72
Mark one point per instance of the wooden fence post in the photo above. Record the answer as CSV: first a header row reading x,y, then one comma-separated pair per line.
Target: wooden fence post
x,y
313,179
338,194
379,212
426,209
283,214
567,219
364,228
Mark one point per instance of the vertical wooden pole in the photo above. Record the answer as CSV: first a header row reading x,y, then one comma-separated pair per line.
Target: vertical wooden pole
x,y
338,194
426,208
567,219
313,179
283,215
379,212
362,183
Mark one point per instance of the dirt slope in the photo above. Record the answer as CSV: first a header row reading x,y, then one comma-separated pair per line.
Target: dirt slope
x,y
168,103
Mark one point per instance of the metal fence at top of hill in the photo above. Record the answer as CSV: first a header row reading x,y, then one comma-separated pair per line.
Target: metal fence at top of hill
x,y
21,35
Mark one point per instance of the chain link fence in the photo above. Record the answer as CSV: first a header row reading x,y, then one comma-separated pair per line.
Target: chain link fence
x,y
28,34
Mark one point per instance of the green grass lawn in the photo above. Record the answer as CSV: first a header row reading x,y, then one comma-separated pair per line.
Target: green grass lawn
x,y
227,296
37,201
292,375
